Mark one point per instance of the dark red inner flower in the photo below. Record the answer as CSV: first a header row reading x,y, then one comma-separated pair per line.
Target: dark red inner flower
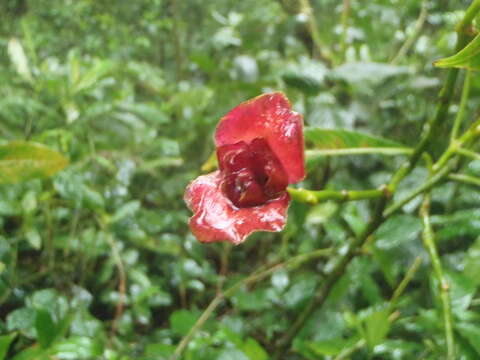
x,y
251,173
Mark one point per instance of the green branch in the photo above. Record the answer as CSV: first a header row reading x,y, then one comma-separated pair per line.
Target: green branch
x,y
410,41
429,243
465,179
468,153
463,106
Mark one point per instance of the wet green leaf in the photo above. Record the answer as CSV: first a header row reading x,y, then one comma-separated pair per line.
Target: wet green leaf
x,y
182,321
328,142
377,327
20,161
253,350
19,59
46,329
467,58
5,341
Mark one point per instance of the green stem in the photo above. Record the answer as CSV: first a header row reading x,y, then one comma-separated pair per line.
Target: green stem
x,y
429,243
321,50
470,14
319,153
404,283
314,197
463,106
258,275
432,181
452,149
466,179
413,37
468,153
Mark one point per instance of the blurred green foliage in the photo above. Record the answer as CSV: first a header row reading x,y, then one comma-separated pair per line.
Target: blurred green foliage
x,y
97,262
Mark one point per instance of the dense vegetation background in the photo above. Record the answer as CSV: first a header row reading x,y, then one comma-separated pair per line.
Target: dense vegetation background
x,y
97,262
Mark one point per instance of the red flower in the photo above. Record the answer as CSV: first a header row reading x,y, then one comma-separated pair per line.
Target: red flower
x,y
260,151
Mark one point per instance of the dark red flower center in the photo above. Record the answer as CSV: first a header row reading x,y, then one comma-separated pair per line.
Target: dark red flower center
x,y
251,173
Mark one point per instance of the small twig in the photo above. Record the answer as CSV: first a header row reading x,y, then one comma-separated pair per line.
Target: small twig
x,y
468,153
410,41
321,50
465,179
463,106
429,243
404,283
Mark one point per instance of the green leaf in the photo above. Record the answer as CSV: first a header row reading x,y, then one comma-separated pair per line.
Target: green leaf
x,y
21,161
99,70
5,341
128,209
376,327
23,320
33,238
471,333
367,73
182,321
46,329
33,353
232,354
332,346
159,350
19,59
467,58
328,142
253,350
78,348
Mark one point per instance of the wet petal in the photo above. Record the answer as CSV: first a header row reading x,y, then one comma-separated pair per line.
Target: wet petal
x,y
217,219
270,117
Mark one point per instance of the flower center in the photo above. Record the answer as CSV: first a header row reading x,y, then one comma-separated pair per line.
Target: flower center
x,y
252,173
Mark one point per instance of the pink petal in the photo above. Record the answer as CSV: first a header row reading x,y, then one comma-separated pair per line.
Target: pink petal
x,y
215,218
267,116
